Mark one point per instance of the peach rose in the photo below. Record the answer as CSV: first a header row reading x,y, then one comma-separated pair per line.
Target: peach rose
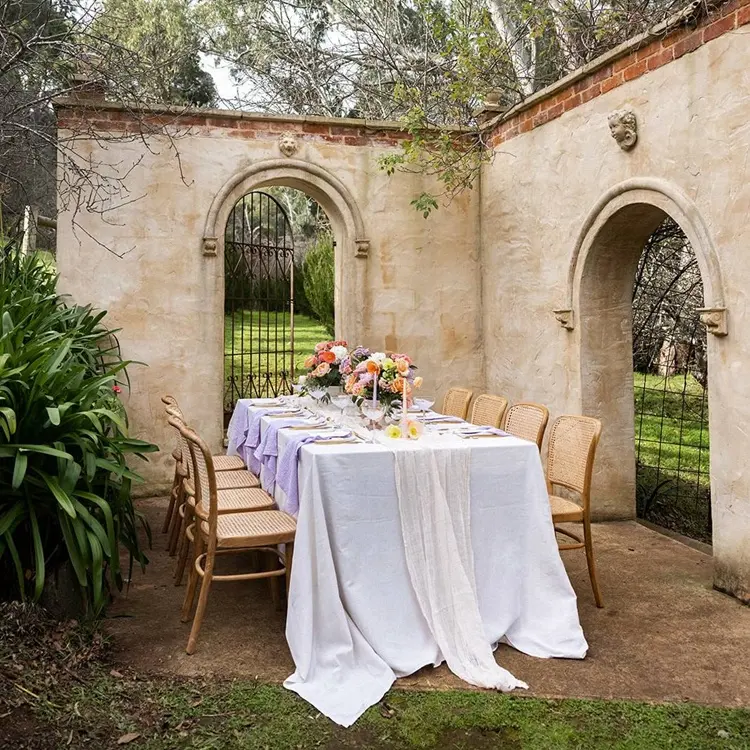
x,y
311,361
322,369
402,367
418,381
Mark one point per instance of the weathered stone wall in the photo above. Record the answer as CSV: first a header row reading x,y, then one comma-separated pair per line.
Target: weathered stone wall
x,y
564,216
415,290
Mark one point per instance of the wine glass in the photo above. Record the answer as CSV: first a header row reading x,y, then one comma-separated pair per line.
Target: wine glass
x,y
318,393
373,411
424,405
342,401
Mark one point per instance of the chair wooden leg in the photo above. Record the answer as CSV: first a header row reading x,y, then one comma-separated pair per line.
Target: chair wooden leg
x,y
193,580
288,555
200,610
273,581
590,561
172,502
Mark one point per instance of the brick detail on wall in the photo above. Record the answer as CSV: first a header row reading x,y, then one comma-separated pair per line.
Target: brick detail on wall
x,y
99,121
630,66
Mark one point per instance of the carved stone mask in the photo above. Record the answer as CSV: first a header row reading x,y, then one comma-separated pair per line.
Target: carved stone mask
x,y
624,128
288,144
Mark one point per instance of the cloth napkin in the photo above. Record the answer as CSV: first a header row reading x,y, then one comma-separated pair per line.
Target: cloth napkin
x,y
266,454
481,430
238,424
287,475
252,435
439,418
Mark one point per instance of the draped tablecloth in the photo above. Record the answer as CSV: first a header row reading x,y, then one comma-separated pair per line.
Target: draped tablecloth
x,y
354,623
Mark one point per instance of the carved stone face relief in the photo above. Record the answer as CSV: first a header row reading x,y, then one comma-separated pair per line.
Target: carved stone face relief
x,y
624,128
288,144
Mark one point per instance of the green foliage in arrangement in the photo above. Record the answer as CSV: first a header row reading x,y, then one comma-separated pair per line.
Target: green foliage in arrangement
x,y
319,281
64,483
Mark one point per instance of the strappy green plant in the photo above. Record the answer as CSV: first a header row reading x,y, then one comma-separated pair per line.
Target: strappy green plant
x,y
65,486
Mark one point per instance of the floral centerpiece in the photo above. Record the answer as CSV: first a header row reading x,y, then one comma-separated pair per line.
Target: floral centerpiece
x,y
380,376
323,366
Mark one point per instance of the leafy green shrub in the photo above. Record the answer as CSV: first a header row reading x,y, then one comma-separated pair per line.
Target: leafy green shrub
x,y
64,482
319,275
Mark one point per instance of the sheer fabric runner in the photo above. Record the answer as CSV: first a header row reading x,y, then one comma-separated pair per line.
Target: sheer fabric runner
x,y
433,496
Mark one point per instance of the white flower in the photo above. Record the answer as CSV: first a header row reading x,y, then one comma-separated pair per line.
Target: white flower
x,y
378,357
339,352
302,379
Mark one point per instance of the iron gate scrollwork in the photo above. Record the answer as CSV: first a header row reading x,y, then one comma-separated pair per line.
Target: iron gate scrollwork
x,y
258,300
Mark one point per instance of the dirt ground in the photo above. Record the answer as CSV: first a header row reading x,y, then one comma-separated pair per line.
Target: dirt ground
x,y
663,635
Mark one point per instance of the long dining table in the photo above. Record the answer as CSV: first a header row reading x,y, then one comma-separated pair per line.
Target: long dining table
x,y
356,619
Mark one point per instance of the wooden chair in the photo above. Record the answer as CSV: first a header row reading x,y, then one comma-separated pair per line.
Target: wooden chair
x,y
528,421
231,499
488,410
456,402
232,468
570,461
217,534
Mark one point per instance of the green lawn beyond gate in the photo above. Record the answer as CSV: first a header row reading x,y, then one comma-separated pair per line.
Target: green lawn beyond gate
x,y
260,332
672,447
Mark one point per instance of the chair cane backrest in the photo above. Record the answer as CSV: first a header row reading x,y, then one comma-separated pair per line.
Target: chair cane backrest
x,y
528,421
204,477
488,410
570,457
456,402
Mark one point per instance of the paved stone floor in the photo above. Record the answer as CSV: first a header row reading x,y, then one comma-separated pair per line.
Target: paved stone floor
x,y
664,634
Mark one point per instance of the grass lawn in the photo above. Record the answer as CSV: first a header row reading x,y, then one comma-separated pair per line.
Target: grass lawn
x,y
671,433
264,347
678,440
58,691
210,714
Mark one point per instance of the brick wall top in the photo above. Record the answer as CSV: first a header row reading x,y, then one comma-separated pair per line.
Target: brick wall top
x,y
632,59
99,116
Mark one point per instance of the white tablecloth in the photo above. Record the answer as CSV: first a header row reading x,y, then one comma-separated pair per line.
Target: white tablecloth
x,y
354,623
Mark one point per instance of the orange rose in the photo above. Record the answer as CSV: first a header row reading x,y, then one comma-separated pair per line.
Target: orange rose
x,y
373,367
329,357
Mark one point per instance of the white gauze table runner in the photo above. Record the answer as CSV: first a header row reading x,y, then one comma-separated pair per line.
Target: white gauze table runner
x,y
433,497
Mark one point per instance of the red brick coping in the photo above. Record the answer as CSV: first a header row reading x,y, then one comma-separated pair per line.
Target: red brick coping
x,y
631,60
98,116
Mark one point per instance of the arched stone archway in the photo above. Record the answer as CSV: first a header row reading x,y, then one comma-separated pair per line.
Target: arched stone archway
x,y
352,243
599,311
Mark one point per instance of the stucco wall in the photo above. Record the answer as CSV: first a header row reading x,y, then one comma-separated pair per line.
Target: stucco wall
x,y
417,290
694,142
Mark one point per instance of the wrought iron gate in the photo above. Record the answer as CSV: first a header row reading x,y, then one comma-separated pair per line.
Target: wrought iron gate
x,y
670,380
258,300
